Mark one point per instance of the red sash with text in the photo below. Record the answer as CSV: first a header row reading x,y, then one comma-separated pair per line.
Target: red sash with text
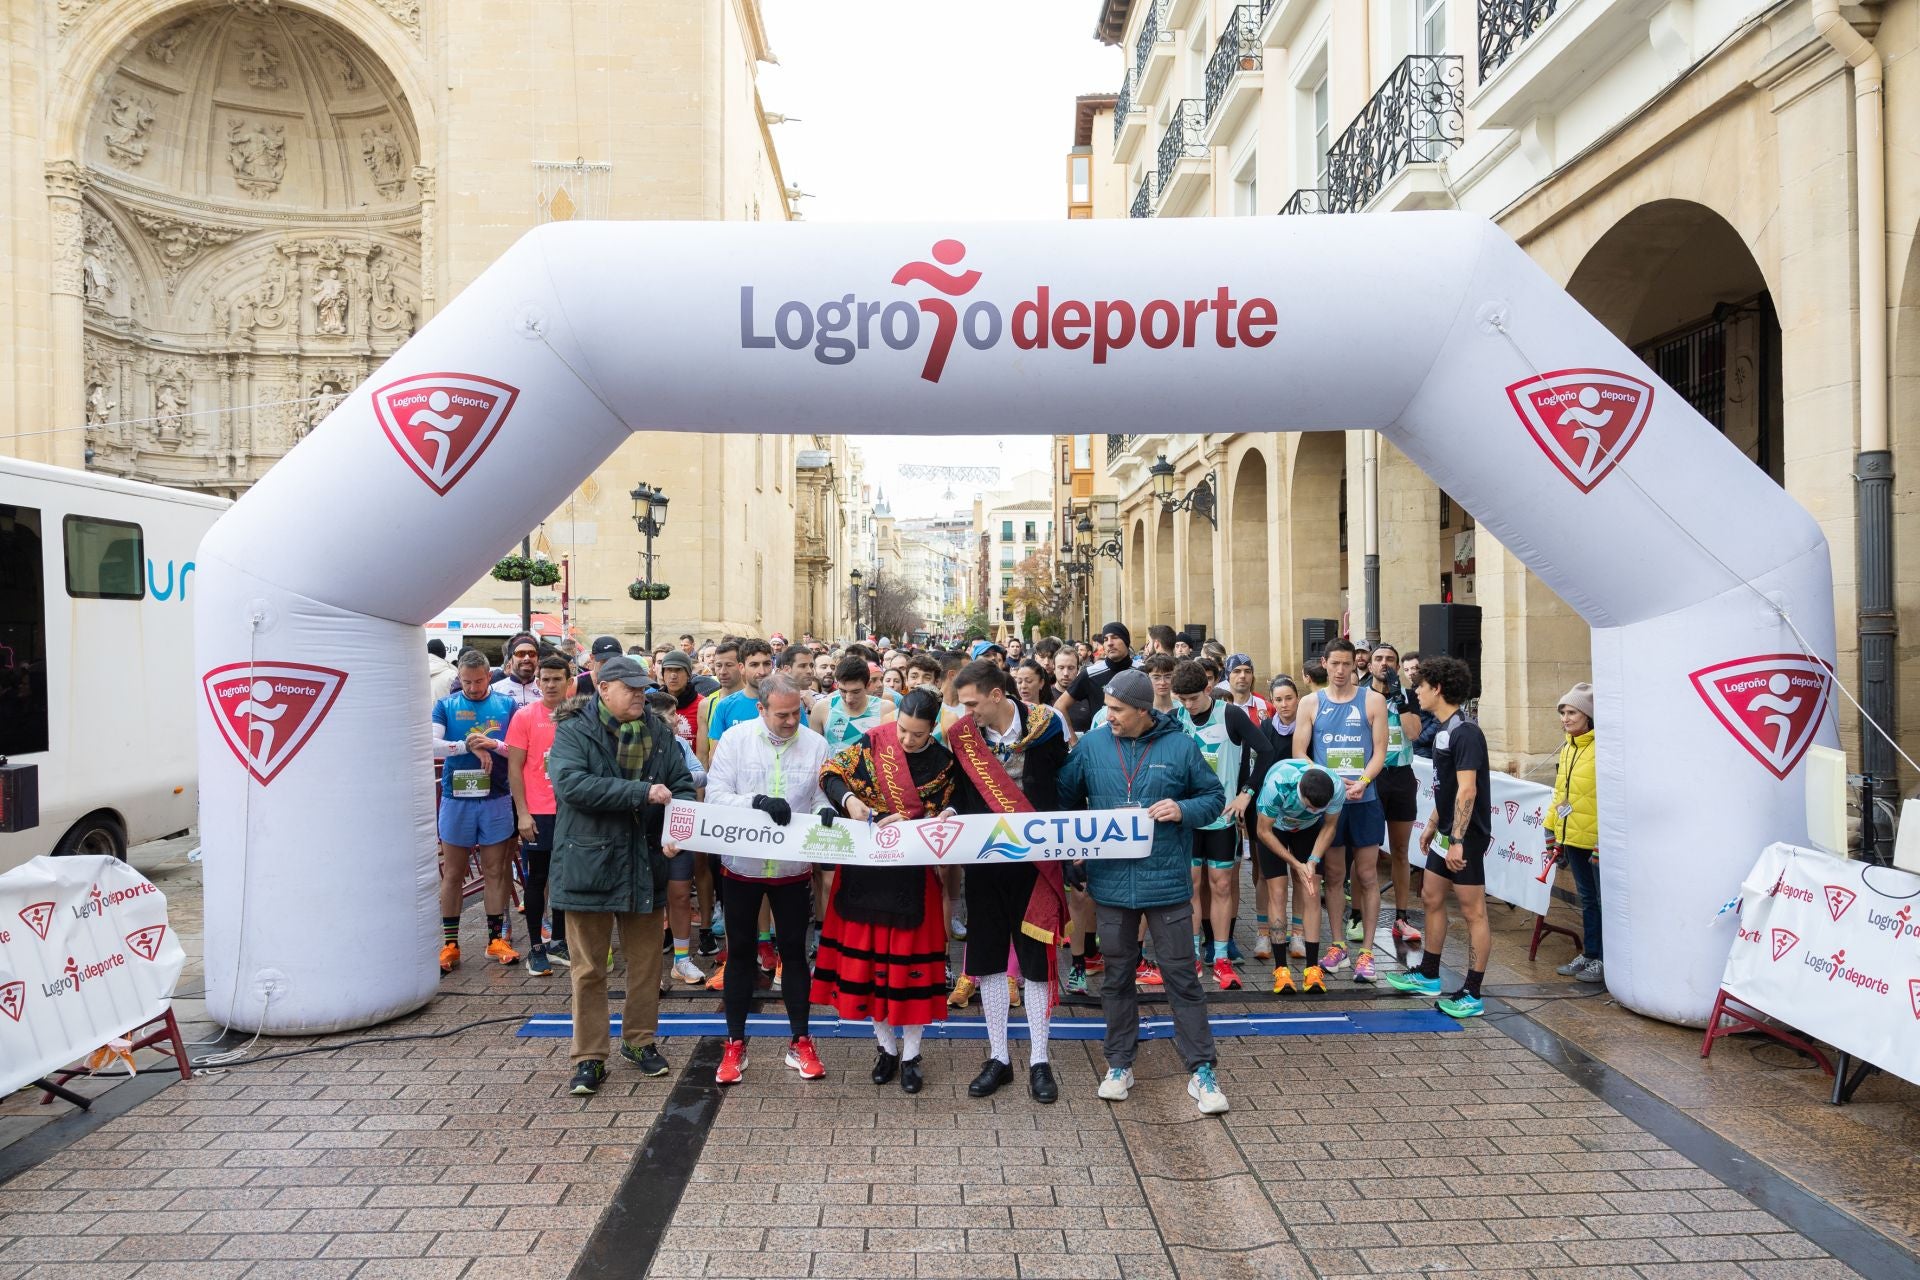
x,y
892,779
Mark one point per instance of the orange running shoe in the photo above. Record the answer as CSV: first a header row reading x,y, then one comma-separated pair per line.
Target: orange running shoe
x,y
1148,975
502,950
449,957
719,979
1313,979
733,1061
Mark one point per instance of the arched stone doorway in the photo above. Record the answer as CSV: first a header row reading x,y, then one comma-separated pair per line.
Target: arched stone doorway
x,y
1246,549
1674,281
1316,534
250,213
1137,578
1199,609
1160,593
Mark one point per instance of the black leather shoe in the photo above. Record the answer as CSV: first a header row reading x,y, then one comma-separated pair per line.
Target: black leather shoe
x,y
991,1077
910,1074
1040,1083
884,1066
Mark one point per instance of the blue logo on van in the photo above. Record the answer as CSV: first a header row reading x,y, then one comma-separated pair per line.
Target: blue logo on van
x,y
153,581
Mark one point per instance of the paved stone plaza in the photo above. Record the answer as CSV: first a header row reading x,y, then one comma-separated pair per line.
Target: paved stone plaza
x,y
459,1153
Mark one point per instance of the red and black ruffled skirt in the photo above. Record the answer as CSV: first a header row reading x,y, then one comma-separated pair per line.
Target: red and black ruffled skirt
x,y
888,974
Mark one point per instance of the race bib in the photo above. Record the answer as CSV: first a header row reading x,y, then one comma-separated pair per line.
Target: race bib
x,y
1346,761
471,784
1562,811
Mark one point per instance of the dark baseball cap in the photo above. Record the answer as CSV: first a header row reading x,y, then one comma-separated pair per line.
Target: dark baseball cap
x,y
623,670
605,646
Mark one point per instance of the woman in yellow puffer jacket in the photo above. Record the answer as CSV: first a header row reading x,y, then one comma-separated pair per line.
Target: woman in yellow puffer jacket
x,y
1574,823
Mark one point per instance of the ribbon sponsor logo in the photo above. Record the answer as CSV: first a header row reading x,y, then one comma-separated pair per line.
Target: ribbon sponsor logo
x,y
1839,898
839,329
887,837
940,836
1836,969
1784,940
440,423
13,999
825,839
1584,419
1771,703
146,942
266,711
680,824
1002,842
38,916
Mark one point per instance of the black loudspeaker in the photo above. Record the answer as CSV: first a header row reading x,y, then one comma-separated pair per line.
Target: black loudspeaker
x,y
1315,635
19,796
1197,632
1452,629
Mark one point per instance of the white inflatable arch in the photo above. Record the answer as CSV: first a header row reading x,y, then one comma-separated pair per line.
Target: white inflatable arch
x,y
317,818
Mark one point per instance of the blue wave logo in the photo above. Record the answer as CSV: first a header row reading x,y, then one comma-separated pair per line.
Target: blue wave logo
x,y
1002,842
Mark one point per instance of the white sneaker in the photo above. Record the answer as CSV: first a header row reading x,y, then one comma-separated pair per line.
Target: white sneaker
x,y
1263,948
958,928
688,972
1117,1085
1205,1090
1592,971
1296,946
1572,967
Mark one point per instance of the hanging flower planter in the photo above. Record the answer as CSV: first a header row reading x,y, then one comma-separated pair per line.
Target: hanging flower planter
x,y
639,590
542,572
513,569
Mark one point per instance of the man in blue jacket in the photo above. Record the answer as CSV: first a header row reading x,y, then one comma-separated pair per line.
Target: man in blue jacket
x,y
1141,758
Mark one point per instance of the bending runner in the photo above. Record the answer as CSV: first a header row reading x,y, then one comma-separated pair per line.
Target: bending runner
x,y
1295,801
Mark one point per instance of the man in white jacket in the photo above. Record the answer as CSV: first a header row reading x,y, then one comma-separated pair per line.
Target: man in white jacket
x,y
772,764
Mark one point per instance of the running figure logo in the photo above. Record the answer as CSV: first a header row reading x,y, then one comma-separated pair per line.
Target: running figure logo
x,y
266,711
1784,940
1840,898
940,836
37,916
146,942
1913,995
946,320
1773,704
1585,419
442,422
13,999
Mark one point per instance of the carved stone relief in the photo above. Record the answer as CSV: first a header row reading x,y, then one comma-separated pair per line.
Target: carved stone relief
x,y
392,309
386,160
330,302
339,64
129,117
260,63
258,154
164,45
172,402
325,388
404,12
71,11
179,242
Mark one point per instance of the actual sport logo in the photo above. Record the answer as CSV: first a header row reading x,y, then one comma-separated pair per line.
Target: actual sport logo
x,y
940,836
1839,899
38,916
267,711
1784,940
442,422
1585,419
13,999
146,942
1771,703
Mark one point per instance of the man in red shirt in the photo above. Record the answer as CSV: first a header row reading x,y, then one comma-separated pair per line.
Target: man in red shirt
x,y
529,737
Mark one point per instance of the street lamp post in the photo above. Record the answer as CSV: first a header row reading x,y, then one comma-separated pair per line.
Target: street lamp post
x,y
1199,499
873,601
649,517
854,578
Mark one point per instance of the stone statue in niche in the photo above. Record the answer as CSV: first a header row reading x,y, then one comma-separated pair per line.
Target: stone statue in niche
x,y
326,398
163,46
100,405
260,64
330,302
381,149
258,154
129,116
170,402
340,65
96,275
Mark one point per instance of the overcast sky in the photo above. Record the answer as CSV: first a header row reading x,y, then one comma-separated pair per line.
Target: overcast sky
x,y
908,110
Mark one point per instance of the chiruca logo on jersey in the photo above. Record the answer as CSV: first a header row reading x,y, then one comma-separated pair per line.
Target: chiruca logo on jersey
x,y
839,329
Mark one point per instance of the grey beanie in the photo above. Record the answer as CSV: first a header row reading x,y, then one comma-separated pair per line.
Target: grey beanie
x,y
1580,698
1132,687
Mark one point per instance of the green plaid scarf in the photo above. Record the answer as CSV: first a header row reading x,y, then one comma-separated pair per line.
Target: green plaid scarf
x,y
635,742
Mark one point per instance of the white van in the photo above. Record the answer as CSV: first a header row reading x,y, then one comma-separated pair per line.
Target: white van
x,y
97,686
487,630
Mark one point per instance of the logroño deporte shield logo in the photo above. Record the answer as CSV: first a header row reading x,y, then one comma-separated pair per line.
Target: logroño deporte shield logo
x,y
442,422
1585,419
1771,703
266,711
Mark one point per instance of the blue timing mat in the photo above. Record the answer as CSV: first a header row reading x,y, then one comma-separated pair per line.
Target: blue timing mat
x,y
549,1026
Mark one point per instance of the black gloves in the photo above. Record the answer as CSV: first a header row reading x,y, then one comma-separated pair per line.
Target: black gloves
x,y
774,807
826,815
1075,875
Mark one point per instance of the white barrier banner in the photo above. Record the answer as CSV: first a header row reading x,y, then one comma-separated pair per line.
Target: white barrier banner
x,y
981,837
85,956
1832,947
1517,866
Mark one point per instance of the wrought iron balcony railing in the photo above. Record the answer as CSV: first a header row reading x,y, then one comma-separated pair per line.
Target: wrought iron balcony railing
x,y
1505,25
1143,198
1415,117
1185,138
1306,200
1116,446
1237,50
1152,31
1125,107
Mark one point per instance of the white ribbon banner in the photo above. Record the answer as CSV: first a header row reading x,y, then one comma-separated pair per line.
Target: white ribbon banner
x,y
957,841
85,956
1832,947
1517,866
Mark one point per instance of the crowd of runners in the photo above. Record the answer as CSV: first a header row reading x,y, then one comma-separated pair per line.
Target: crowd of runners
x,y
566,762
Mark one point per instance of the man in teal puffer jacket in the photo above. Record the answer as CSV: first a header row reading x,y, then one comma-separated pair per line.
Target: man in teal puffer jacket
x,y
1141,758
